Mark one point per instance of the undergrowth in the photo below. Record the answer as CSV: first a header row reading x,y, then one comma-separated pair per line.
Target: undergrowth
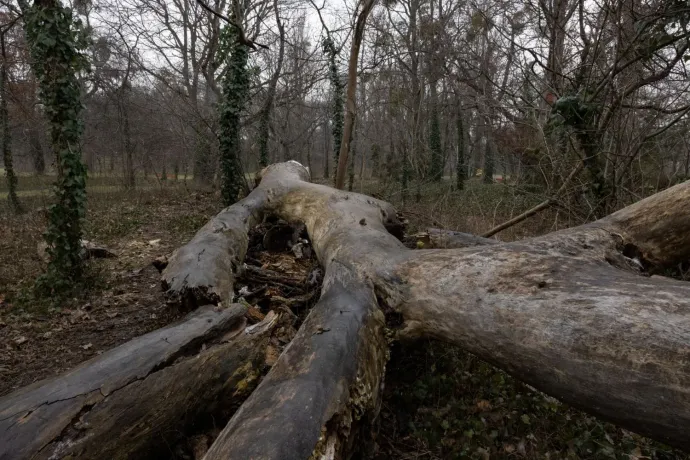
x,y
443,403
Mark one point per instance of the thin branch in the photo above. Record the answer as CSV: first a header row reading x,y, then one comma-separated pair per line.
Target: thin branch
x,y
540,207
242,39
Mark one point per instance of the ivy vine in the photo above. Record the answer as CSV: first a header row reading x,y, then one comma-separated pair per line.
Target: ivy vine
x,y
55,39
235,95
338,94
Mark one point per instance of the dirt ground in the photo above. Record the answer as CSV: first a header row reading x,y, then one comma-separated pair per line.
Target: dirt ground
x,y
122,297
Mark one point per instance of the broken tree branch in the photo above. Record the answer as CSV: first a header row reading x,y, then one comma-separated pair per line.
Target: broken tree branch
x,y
538,208
203,270
569,313
133,400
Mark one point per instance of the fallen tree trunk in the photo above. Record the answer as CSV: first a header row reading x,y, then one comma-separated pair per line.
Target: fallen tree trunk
x,y
573,313
136,400
203,270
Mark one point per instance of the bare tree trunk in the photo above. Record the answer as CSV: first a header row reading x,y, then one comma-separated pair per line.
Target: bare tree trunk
x,y
326,149
128,144
351,105
15,205
37,154
271,92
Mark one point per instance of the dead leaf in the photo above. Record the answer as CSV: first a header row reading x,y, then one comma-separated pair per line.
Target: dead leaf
x,y
154,242
636,454
521,447
271,355
20,340
87,346
483,405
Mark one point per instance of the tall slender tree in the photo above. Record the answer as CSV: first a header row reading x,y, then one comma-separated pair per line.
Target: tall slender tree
x,y
350,103
12,197
265,117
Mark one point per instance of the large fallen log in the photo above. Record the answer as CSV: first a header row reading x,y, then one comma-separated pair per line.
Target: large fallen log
x,y
135,400
203,270
574,313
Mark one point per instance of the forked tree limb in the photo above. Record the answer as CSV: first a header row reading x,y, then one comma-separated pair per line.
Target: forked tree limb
x,y
203,270
554,310
328,380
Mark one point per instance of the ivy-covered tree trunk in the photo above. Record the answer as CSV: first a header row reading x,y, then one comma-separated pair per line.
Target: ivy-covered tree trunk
x,y
461,168
337,93
235,92
55,38
600,188
6,135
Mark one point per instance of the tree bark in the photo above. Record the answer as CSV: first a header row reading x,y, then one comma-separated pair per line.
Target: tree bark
x,y
265,117
367,6
203,270
15,205
134,400
576,313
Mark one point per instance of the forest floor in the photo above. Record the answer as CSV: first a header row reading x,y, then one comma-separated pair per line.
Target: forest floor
x,y
121,297
439,402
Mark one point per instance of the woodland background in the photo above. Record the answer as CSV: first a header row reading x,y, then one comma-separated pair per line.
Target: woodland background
x,y
468,113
